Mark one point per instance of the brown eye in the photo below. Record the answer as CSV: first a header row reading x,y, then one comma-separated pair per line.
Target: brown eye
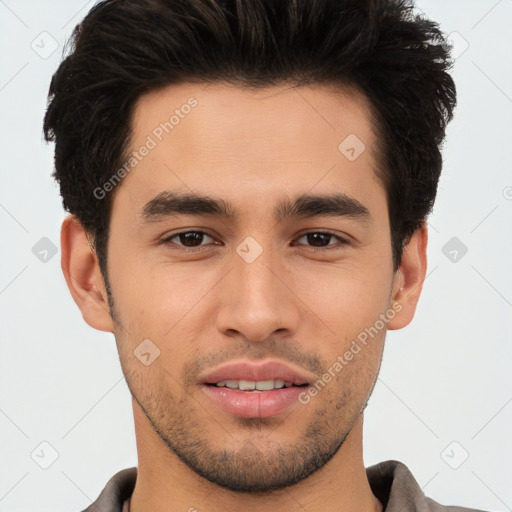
x,y
187,239
322,239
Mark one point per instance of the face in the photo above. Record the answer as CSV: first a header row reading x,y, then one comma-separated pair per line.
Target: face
x,y
247,244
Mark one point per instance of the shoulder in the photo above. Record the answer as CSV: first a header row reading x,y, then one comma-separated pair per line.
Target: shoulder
x,y
118,489
396,488
434,506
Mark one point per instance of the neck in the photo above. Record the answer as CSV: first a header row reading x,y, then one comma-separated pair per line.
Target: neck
x,y
165,483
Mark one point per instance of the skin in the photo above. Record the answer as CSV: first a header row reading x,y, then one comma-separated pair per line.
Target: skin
x,y
293,304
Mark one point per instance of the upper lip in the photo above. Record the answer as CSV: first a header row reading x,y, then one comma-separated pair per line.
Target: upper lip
x,y
249,370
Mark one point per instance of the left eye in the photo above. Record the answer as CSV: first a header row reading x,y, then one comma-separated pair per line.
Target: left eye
x,y
318,239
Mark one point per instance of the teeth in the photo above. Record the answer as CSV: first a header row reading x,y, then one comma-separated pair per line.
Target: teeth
x,y
246,385
265,385
250,385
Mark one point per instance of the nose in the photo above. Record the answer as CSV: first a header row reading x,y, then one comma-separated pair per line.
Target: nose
x,y
258,300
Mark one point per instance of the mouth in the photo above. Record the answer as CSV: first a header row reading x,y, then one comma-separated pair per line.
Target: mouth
x,y
250,389
256,386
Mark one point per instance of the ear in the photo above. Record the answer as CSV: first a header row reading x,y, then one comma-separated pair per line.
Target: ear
x,y
83,276
409,278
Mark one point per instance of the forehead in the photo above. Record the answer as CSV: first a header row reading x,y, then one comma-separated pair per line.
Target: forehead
x,y
206,136
219,109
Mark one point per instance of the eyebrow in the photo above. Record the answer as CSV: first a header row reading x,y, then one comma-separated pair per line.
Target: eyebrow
x,y
168,204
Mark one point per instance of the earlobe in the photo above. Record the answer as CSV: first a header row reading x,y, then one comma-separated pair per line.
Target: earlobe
x,y
409,278
83,277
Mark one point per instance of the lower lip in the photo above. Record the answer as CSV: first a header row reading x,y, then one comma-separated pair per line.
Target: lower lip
x,y
254,404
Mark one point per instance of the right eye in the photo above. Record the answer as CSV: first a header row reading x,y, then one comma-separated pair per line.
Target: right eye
x,y
187,239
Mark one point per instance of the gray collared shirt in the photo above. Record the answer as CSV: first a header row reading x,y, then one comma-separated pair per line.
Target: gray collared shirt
x,y
391,482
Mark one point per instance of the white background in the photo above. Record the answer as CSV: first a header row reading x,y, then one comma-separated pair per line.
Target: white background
x,y
444,379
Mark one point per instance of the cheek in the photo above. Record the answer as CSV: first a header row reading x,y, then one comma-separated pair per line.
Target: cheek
x,y
348,297
344,388
165,306
151,299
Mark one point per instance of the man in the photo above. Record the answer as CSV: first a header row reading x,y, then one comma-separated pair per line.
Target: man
x,y
248,185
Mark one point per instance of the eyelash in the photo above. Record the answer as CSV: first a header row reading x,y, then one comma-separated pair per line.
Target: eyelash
x,y
344,242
